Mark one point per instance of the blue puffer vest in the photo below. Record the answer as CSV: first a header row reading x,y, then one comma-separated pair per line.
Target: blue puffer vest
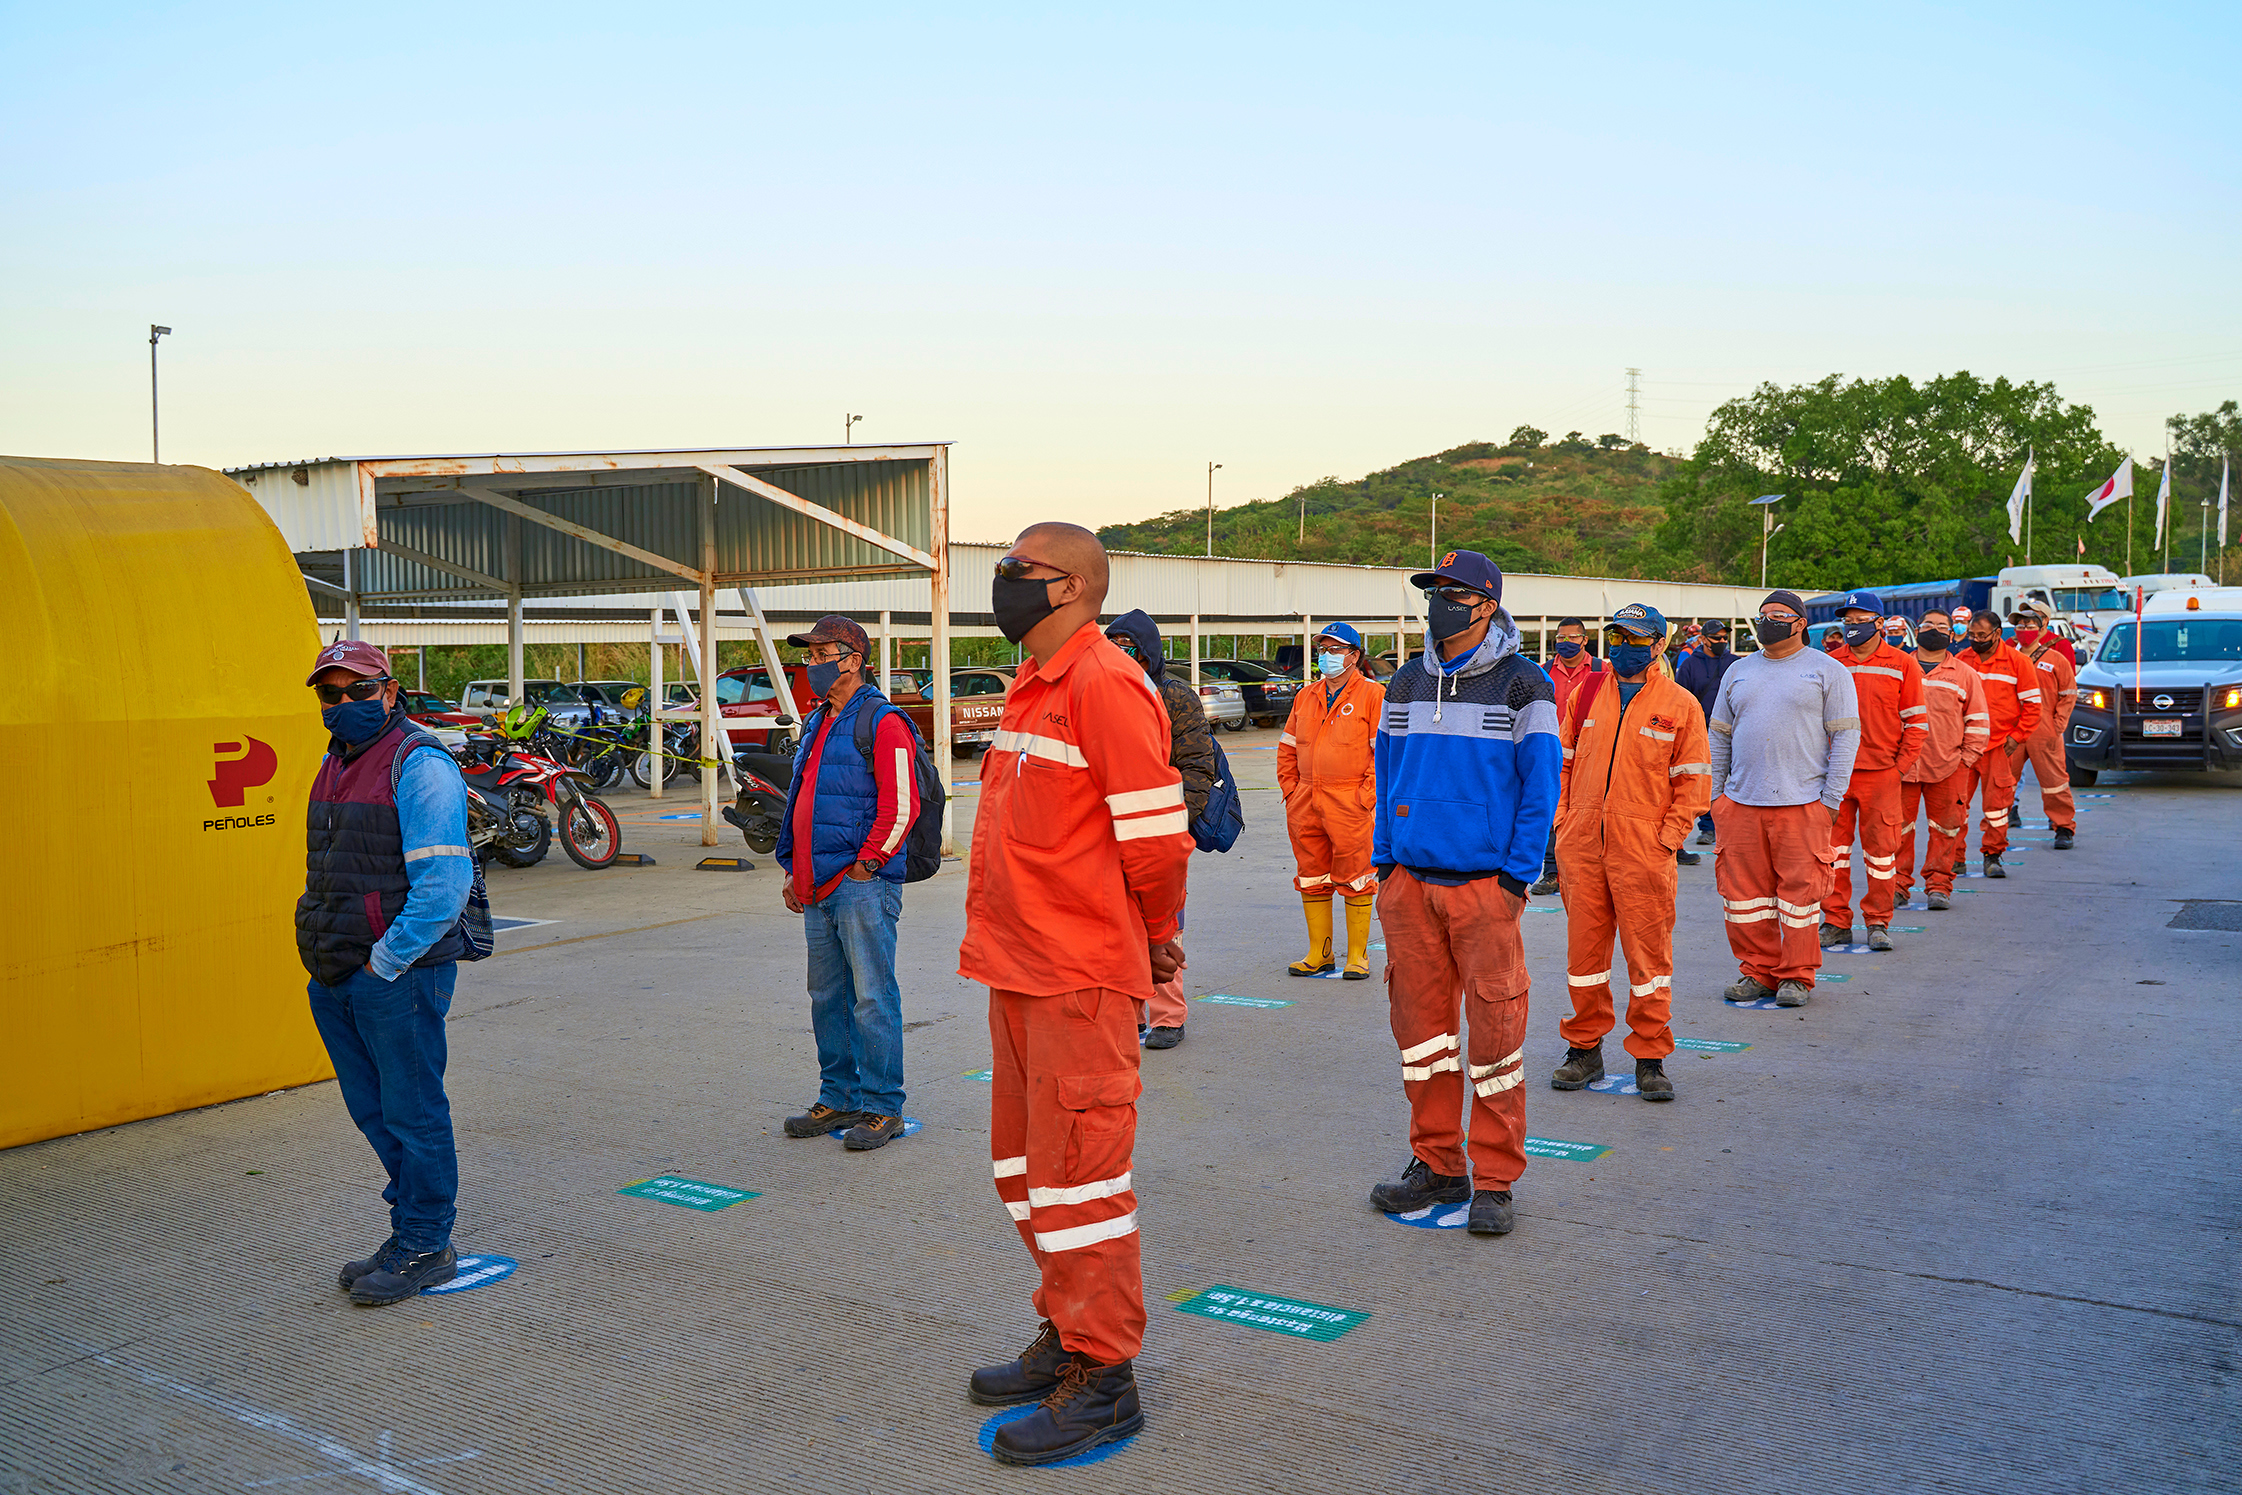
x,y
355,882
848,796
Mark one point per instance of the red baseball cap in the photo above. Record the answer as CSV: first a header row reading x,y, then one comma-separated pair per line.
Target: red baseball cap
x,y
834,629
352,654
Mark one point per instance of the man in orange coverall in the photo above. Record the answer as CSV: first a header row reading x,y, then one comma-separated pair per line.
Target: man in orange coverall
x,y
2050,653
1637,775
2013,699
1328,774
1889,689
1940,779
1071,904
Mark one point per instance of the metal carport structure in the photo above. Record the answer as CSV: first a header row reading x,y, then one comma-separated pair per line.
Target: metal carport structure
x,y
425,529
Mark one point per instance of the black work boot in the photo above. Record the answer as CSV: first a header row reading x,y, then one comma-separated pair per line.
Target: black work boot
x,y
1993,867
1879,938
1418,1187
1030,1378
381,1261
1651,1081
1164,1038
820,1119
410,1273
871,1132
1545,887
1961,865
1092,1404
1582,1068
2065,837
1490,1212
1687,859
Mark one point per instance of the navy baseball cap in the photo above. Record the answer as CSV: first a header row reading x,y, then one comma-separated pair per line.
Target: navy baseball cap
x,y
1463,568
1641,621
1867,601
1343,632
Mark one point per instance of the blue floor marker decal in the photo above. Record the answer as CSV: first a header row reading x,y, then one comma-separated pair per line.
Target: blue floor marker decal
x,y
985,1075
475,1271
911,1125
1014,1414
1435,1216
1710,1045
1618,1084
1223,999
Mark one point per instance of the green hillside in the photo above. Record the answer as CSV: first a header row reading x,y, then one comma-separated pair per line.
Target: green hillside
x,y
1572,507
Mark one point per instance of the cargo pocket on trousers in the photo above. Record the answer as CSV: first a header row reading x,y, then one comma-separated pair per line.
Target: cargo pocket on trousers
x,y
1497,1013
1101,1114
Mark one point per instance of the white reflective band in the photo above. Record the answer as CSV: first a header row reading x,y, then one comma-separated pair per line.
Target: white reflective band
x,y
1649,986
1568,752
1409,1072
1429,1046
1798,908
1601,978
1011,1167
1948,685
1806,923
1287,739
1515,1056
1976,716
1946,830
1976,732
1087,1235
1838,851
1145,799
1015,1209
1757,916
1876,861
1996,817
1104,1188
1500,1083
1028,745
1661,736
1841,724
1877,669
902,825
2004,679
1884,874
1907,711
2065,695
2027,695
1588,725
1722,727
1681,768
419,853
1747,903
1175,822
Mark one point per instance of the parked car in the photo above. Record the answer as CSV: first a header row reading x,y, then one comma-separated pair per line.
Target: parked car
x,y
976,704
2179,705
482,698
1268,694
432,710
1223,701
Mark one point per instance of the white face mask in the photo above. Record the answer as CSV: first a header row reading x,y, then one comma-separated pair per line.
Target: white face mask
x,y
1331,664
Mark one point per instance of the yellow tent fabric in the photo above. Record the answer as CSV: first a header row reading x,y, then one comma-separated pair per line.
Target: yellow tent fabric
x,y
158,747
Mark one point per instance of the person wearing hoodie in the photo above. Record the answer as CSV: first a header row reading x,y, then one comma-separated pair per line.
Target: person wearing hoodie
x,y
1326,773
1700,674
1190,753
1468,767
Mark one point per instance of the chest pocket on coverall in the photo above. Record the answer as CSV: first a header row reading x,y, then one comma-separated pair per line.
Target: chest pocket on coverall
x,y
1035,812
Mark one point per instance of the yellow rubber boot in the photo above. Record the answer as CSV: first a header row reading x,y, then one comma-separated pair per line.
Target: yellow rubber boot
x,y
1358,936
1319,961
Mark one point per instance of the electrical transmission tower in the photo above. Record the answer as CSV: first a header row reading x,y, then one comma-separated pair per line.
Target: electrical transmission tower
x,y
1634,406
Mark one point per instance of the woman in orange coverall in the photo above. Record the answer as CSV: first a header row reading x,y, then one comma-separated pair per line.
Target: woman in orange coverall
x,y
1327,770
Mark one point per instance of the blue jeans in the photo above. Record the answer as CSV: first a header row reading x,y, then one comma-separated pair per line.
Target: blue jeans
x,y
856,1008
1705,822
386,1039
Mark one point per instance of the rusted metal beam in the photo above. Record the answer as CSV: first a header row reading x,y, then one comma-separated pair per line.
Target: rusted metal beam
x,y
820,513
589,536
499,464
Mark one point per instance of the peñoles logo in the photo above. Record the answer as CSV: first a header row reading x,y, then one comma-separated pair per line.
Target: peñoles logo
x,y
236,776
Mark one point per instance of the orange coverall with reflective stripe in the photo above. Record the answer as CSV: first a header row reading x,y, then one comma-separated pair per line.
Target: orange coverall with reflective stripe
x,y
1894,726
2014,700
1327,771
1079,855
1941,778
2059,692
1634,784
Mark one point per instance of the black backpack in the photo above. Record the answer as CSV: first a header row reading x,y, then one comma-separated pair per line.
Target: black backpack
x,y
1219,823
922,848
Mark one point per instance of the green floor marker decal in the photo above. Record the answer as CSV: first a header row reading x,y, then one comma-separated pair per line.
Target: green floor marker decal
x,y
1710,1045
689,1192
979,1074
1277,1315
1228,1001
1577,1152
1821,976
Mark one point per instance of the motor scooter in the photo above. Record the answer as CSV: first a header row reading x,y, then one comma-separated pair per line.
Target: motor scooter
x,y
759,808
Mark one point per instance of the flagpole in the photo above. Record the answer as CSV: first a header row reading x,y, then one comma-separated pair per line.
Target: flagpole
x,y
2164,508
2027,524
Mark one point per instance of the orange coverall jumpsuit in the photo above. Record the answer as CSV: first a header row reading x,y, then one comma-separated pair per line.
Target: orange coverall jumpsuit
x,y
1327,771
1633,787
1940,780
1079,856
2059,692
2013,699
1894,725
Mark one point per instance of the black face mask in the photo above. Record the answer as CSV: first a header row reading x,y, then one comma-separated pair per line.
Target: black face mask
x,y
1020,605
1445,619
1932,641
1716,647
1770,631
1983,645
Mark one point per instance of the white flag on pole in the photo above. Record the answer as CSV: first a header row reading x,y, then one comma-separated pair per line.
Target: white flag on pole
x,y
2120,485
2163,499
2224,464
2016,500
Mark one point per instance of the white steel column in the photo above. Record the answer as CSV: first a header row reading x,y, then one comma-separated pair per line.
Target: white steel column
x,y
715,742
513,611
350,594
885,623
938,618
654,703
1195,651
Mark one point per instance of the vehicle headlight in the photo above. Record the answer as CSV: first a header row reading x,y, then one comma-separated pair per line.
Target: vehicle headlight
x,y
2098,699
2233,697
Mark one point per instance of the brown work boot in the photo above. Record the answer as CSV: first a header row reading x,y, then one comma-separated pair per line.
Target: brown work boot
x,y
1092,1404
820,1119
1582,1068
1029,1378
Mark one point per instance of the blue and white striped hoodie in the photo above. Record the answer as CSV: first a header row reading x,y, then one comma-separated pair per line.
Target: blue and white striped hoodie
x,y
1468,764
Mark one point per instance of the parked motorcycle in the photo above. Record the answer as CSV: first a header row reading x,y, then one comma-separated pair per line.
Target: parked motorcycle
x,y
760,807
509,796
680,754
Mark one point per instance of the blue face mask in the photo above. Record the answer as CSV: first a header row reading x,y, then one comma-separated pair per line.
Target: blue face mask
x,y
1631,659
1862,632
355,721
1567,649
1331,664
823,677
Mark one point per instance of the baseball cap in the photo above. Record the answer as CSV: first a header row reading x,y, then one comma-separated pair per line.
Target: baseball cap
x,y
1641,621
1865,601
1343,632
352,654
834,629
2033,606
1715,625
1784,597
1463,568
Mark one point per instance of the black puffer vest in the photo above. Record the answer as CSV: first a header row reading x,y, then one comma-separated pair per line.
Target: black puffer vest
x,y
355,882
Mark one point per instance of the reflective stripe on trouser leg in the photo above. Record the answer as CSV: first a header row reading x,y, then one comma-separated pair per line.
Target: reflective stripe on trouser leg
x,y
1590,922
2049,765
1745,879
1876,792
1779,866
1911,798
1996,789
1946,809
1421,995
1066,1067
1837,905
1645,898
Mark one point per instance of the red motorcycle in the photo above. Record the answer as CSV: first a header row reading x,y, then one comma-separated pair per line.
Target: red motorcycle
x,y
508,793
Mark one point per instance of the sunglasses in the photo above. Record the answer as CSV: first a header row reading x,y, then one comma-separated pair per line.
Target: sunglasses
x,y
1462,596
357,690
1017,567
1614,636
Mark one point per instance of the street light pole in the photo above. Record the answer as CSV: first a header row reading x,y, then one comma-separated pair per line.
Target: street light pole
x,y
1767,528
1432,556
848,430
155,428
1211,466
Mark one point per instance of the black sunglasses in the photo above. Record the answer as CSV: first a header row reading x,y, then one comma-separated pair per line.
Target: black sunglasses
x,y
1016,568
1466,596
357,690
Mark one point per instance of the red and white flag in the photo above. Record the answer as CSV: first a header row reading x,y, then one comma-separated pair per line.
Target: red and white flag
x,y
2119,486
2082,547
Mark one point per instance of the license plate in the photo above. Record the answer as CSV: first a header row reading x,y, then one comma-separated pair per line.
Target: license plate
x,y
974,737
2160,729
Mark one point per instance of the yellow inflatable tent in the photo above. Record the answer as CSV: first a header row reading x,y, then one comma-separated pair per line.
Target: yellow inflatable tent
x,y
158,747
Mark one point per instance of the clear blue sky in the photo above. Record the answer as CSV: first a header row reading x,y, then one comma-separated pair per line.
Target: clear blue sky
x,y
1097,250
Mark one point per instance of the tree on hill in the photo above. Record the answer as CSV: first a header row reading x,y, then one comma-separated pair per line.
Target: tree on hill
x,y
1526,438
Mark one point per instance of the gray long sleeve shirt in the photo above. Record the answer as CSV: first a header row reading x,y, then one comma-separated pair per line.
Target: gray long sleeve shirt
x,y
1785,731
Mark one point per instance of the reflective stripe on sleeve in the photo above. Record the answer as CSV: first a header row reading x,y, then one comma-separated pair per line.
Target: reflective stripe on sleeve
x,y
1877,669
1015,1209
1841,724
1175,822
419,853
1681,768
1145,799
1908,711
1287,739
